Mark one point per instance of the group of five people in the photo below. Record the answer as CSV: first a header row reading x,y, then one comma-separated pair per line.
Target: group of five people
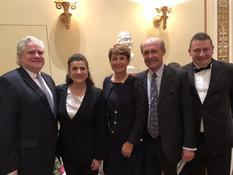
x,y
136,125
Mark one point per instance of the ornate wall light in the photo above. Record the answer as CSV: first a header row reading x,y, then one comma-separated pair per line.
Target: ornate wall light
x,y
65,17
163,17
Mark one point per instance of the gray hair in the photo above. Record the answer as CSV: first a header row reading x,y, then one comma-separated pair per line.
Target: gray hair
x,y
21,45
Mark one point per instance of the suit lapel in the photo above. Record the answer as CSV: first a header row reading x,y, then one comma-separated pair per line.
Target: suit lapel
x,y
30,82
62,101
27,79
165,80
108,87
190,71
84,103
191,75
214,77
144,79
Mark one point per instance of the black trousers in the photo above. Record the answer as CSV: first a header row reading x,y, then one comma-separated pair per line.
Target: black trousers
x,y
80,168
215,165
133,165
155,159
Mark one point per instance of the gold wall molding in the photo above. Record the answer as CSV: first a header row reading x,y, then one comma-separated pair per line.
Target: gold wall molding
x,y
223,30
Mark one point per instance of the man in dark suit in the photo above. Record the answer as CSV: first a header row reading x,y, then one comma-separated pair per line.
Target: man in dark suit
x,y
212,88
172,136
28,127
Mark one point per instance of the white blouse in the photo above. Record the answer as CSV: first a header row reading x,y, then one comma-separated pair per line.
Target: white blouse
x,y
73,103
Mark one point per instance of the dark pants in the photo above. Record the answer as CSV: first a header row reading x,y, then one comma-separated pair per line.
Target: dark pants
x,y
127,166
155,159
81,168
215,165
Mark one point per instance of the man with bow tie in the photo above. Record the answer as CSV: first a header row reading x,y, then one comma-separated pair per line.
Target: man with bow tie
x,y
212,89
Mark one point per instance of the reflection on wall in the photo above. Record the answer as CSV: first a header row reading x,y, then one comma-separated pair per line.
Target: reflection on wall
x,y
223,30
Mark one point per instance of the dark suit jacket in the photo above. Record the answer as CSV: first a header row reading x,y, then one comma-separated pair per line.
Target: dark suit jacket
x,y
176,121
27,125
132,110
217,107
82,138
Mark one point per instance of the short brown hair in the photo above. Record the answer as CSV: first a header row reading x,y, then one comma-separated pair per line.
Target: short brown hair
x,y
119,49
200,36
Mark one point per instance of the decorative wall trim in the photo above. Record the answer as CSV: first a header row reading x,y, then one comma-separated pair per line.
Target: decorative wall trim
x,y
223,30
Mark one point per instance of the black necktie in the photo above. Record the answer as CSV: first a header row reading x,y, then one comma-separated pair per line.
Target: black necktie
x,y
153,124
196,70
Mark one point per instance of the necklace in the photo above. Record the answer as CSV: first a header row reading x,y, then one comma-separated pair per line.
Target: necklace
x,y
121,80
112,124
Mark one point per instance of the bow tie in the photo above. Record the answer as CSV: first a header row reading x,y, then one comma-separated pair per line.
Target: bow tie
x,y
196,70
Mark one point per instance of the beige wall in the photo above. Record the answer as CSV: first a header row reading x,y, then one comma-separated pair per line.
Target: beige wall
x,y
95,25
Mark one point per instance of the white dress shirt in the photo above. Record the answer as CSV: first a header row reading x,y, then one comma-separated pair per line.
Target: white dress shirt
x,y
159,74
202,81
33,76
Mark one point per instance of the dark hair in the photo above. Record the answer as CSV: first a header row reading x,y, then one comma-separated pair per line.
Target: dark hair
x,y
119,49
174,65
78,57
200,36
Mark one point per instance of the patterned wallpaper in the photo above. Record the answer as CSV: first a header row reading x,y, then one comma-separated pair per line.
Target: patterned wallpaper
x,y
223,30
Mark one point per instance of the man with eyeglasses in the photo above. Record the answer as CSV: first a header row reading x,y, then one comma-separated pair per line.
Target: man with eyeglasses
x,y
212,89
28,128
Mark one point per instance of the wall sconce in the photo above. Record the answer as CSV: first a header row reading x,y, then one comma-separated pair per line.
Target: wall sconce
x,y
65,17
163,18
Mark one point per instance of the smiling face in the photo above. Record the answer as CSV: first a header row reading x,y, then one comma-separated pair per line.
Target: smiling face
x,y
32,57
78,71
152,53
119,63
201,52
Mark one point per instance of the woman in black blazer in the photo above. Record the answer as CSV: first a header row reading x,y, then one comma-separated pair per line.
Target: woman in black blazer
x,y
82,126
125,106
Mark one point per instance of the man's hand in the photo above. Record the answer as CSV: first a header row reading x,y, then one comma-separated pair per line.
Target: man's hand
x,y
95,165
187,155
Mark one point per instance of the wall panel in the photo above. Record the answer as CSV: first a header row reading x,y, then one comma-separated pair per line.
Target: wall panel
x,y
11,34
